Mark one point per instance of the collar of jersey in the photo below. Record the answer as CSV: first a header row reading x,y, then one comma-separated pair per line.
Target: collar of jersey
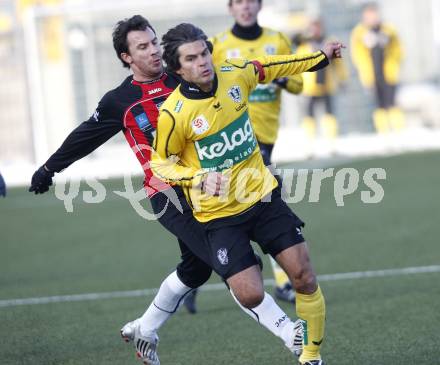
x,y
248,33
192,91
162,77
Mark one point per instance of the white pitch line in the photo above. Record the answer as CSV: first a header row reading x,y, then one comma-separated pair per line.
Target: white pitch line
x,y
213,287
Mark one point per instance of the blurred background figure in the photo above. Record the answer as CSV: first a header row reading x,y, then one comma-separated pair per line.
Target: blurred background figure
x,y
319,87
376,53
2,186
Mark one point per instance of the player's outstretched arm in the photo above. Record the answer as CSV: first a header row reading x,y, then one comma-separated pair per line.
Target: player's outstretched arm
x,y
333,49
79,143
41,180
272,67
292,84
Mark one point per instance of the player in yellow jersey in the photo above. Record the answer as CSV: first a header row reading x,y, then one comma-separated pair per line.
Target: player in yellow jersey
x,y
205,143
247,39
320,87
377,55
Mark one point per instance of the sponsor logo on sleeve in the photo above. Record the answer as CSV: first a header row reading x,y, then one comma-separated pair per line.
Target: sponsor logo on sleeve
x,y
178,106
226,68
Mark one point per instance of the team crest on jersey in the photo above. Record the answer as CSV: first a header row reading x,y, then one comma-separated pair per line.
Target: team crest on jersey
x,y
270,49
178,106
200,125
233,53
222,256
235,93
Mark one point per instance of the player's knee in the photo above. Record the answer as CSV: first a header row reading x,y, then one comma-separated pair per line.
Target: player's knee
x,y
251,299
247,286
305,280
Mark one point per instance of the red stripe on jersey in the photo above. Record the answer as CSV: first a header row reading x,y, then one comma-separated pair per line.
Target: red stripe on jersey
x,y
144,113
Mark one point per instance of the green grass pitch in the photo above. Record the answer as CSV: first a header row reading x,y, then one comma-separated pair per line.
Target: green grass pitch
x,y
106,247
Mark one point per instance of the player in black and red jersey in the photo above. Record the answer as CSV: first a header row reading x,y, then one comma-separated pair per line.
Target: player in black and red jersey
x,y
133,109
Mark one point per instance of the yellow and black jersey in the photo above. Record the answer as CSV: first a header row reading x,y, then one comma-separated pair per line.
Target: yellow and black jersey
x,y
325,81
376,53
264,101
199,132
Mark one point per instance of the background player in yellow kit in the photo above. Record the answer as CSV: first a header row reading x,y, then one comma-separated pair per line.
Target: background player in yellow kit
x,y
247,39
376,53
320,86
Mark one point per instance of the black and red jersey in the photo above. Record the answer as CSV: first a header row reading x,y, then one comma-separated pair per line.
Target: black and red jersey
x,y
133,107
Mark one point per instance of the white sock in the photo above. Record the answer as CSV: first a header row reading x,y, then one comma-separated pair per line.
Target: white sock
x,y
165,304
271,316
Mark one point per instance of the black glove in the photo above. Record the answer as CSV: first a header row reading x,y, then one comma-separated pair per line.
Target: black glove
x,y
41,180
281,82
2,186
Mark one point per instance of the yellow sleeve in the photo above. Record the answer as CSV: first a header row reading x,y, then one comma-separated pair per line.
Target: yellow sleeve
x,y
356,46
273,67
294,83
395,49
168,144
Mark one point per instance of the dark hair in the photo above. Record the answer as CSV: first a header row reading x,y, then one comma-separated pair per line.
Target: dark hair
x,y
230,2
175,37
122,28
